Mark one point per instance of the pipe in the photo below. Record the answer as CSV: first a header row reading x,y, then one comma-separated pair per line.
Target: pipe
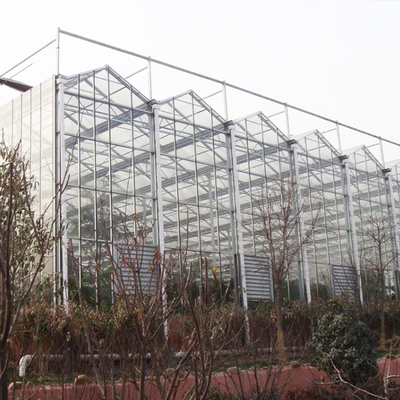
x,y
26,359
23,363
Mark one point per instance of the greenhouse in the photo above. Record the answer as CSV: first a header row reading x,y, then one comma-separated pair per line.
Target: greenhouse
x,y
199,183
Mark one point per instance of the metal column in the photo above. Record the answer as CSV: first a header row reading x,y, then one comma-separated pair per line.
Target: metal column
x,y
352,225
60,142
299,209
395,225
160,210
159,237
237,234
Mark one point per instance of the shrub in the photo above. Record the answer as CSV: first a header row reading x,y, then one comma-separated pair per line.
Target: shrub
x,y
343,341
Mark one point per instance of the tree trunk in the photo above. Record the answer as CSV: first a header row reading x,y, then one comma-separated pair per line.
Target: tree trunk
x,y
382,338
143,370
3,372
5,326
279,329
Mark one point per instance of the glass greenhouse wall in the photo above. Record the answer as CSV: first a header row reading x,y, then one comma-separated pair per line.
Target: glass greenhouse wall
x,y
29,122
199,184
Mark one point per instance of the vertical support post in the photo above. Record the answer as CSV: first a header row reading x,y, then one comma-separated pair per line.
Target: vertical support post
x,y
212,227
63,262
58,52
302,231
96,158
352,226
225,100
287,121
153,171
299,267
160,212
150,80
232,233
339,139
382,152
395,225
237,234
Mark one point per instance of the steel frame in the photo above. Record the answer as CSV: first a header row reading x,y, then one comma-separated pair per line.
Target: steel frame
x,y
194,178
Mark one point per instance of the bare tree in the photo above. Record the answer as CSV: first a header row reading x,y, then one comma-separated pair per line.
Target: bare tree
x,y
26,238
283,236
142,278
378,256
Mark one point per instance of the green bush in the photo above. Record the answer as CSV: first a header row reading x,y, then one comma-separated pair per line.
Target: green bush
x,y
341,340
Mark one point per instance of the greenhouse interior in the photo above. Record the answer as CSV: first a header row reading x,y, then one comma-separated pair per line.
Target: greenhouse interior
x,y
202,186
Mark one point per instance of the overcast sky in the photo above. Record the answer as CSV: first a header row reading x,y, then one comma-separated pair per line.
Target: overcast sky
x,y
340,59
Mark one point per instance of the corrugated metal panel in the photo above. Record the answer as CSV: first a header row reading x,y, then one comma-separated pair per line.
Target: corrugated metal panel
x,y
344,279
136,263
258,278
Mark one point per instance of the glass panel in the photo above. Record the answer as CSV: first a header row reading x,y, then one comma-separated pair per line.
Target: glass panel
x,y
88,214
72,206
